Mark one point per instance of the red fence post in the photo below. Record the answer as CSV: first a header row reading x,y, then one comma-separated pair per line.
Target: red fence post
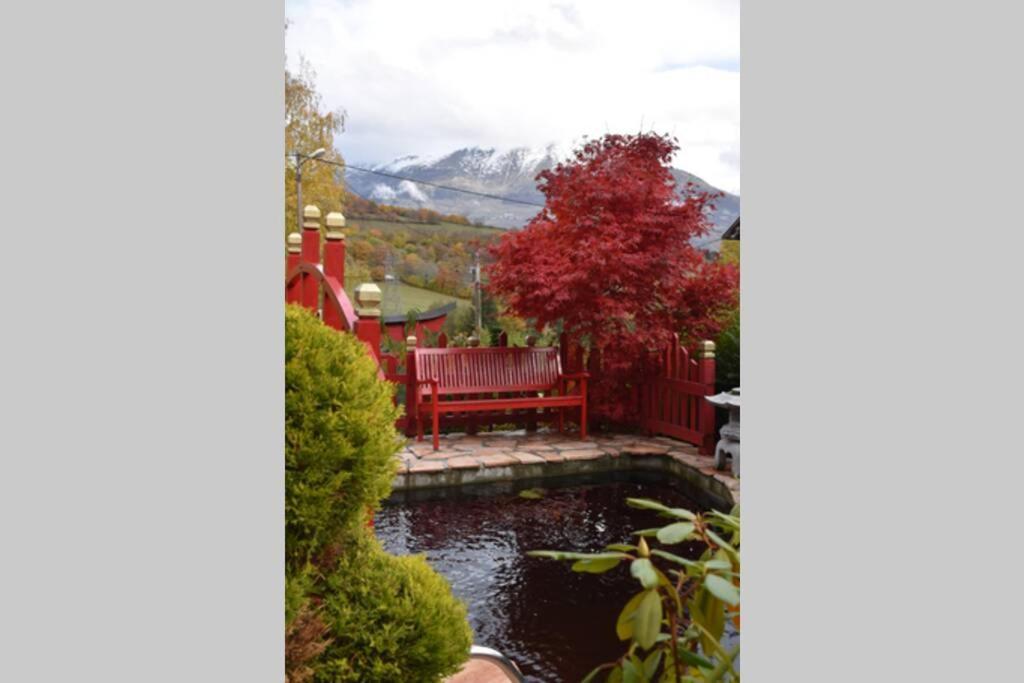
x,y
291,292
334,263
503,339
706,374
311,255
368,309
334,250
410,386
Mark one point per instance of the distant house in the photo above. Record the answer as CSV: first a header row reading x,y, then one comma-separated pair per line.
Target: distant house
x,y
730,252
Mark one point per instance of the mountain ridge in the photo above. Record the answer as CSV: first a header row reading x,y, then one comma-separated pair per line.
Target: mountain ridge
x,y
508,173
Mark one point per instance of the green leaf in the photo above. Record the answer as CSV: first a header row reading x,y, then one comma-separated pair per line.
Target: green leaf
x,y
621,547
720,541
647,532
531,494
616,675
624,626
597,565
718,564
593,674
675,533
632,670
675,558
643,570
652,662
722,589
694,659
725,665
559,555
647,504
647,619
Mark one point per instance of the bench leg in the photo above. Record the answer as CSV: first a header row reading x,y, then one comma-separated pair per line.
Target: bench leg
x,y
436,426
419,426
561,420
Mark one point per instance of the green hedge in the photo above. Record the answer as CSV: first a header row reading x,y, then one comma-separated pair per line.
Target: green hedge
x,y
340,439
727,363
352,611
392,620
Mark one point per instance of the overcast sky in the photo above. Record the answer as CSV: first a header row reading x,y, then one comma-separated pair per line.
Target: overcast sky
x,y
427,77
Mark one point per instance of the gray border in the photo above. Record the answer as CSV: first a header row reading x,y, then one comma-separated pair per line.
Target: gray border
x,y
141,496
142,482
881,340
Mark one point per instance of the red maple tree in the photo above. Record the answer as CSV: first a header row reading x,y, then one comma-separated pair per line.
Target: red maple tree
x,y
610,258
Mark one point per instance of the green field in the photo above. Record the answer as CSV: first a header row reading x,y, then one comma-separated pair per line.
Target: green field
x,y
408,297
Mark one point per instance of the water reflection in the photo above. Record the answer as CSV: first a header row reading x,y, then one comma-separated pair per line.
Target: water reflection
x,y
556,624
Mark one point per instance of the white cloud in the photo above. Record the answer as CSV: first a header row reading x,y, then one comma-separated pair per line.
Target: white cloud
x,y
410,189
428,77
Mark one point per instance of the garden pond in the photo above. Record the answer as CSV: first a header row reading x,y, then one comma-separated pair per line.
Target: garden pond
x,y
555,624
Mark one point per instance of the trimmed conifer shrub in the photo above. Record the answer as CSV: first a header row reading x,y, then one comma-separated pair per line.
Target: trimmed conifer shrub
x,y
392,620
340,438
352,611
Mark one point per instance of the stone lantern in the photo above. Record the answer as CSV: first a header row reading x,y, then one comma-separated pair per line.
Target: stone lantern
x,y
729,444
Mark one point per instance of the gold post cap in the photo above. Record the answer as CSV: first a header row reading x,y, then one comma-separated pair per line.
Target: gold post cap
x,y
368,298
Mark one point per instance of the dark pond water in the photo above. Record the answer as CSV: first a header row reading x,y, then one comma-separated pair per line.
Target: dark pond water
x,y
554,623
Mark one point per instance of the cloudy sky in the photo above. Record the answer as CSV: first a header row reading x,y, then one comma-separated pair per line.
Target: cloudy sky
x,y
432,76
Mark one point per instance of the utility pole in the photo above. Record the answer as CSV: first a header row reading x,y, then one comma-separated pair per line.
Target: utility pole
x,y
300,159
477,294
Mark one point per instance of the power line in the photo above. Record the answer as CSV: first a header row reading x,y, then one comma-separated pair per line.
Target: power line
x,y
437,185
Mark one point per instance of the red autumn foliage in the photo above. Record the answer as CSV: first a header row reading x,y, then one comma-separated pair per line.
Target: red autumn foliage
x,y
609,256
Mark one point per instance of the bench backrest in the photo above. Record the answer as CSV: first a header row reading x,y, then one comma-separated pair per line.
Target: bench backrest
x,y
489,370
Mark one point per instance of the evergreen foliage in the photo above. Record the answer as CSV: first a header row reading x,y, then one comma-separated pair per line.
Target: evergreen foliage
x,y
352,611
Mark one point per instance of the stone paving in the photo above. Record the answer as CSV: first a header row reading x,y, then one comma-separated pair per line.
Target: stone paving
x,y
503,456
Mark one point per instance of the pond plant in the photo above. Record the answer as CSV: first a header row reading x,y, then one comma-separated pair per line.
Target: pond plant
x,y
352,611
674,625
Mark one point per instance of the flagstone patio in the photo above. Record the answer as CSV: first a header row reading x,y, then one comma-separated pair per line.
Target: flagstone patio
x,y
508,456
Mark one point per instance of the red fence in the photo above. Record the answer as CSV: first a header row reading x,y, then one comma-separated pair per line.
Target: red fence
x,y
670,404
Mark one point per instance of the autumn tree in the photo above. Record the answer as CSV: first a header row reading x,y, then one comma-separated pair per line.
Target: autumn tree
x,y
307,128
610,259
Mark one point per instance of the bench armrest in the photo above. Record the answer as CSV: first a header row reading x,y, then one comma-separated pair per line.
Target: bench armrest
x,y
433,382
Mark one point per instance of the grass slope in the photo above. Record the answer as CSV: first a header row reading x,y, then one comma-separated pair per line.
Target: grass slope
x,y
400,297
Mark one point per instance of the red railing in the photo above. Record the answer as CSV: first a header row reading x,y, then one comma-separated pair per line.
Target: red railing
x,y
320,286
670,404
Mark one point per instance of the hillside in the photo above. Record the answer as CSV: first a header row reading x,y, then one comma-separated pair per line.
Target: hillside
x,y
416,264
509,173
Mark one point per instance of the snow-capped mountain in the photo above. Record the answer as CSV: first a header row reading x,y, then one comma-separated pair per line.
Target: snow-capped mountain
x,y
507,173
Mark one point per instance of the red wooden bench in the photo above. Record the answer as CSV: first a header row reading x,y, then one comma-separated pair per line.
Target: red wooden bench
x,y
467,380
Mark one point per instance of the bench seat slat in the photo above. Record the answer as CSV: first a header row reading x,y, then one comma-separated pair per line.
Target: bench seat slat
x,y
477,405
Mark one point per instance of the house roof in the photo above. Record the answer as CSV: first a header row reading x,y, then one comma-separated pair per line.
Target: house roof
x,y
733,233
422,317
